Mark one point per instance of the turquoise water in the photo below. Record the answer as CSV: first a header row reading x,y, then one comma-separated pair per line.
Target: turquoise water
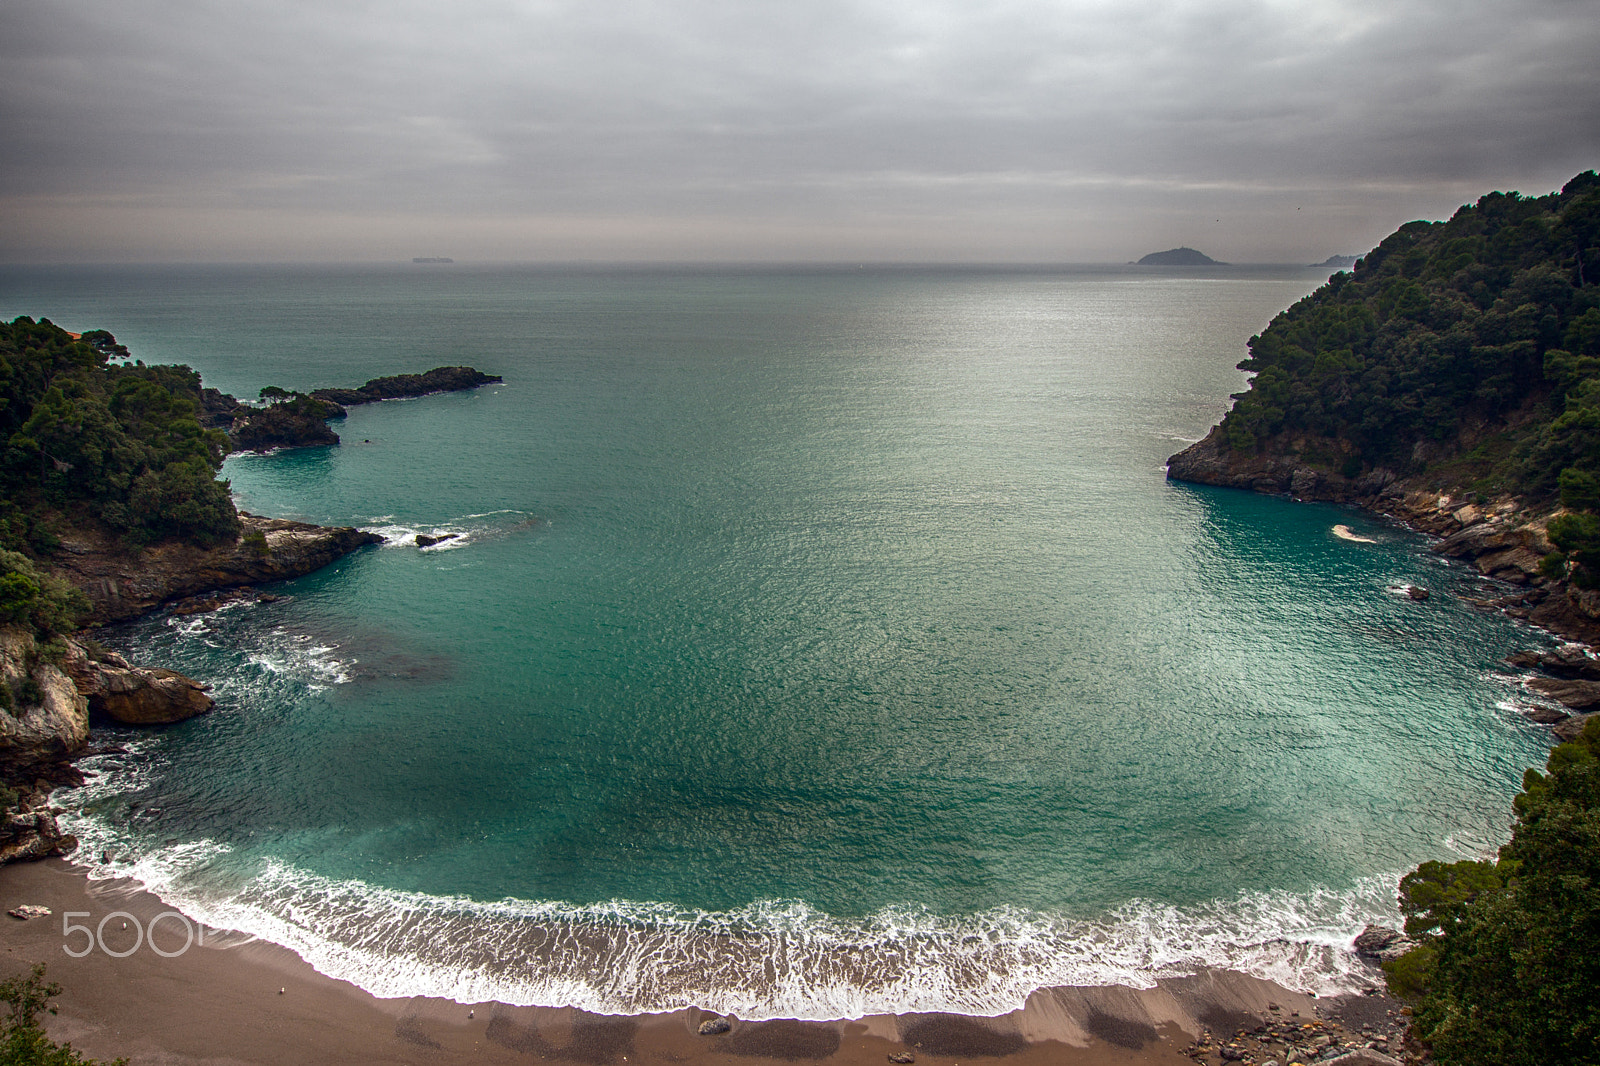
x,y
815,642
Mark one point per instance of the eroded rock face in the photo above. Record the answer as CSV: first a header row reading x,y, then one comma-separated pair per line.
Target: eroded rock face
x,y
134,695
123,586
48,718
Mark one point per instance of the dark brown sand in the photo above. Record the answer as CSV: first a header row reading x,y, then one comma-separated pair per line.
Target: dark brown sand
x,y
221,1003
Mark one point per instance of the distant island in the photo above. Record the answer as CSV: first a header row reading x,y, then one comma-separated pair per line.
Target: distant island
x,y
1179,257
432,259
1340,262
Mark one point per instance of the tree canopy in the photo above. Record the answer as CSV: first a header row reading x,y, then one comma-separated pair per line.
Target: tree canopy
x,y
87,441
1510,950
1468,350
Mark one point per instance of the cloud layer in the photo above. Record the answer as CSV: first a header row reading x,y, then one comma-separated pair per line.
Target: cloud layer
x,y
836,129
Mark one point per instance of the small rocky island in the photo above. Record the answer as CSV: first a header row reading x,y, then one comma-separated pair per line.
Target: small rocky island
x,y
1179,257
300,420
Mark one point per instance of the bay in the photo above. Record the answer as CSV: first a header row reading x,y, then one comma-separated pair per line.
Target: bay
x,y
813,641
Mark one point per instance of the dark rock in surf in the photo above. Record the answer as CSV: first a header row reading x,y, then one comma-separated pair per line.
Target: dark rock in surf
x,y
714,1026
1381,943
1578,695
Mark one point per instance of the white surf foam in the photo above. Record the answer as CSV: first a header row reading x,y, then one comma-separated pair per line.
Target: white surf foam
x,y
770,959
461,531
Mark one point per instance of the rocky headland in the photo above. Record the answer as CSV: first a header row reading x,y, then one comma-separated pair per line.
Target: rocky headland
x,y
111,510
300,420
123,585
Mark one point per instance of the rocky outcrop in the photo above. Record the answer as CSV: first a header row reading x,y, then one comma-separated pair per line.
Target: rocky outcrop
x,y
1281,470
121,585
134,695
1382,944
28,829
44,718
404,386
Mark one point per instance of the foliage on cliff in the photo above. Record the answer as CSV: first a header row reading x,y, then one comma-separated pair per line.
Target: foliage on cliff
x,y
88,441
1510,953
1467,350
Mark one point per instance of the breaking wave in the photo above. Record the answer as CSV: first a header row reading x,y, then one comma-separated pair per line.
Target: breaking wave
x,y
769,959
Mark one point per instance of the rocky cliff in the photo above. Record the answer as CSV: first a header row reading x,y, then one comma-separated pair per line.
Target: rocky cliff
x,y
123,585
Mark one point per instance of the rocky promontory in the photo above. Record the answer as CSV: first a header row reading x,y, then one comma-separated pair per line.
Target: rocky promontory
x,y
123,585
300,420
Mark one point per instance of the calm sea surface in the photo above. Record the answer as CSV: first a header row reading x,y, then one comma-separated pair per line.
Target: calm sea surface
x,y
812,643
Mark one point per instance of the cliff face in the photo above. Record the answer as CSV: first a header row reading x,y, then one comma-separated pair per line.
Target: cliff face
x,y
48,718
123,586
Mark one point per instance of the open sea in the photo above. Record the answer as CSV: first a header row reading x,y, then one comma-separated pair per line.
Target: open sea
x,y
813,643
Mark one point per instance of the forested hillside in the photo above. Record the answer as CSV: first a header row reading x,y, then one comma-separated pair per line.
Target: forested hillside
x,y
90,442
1467,349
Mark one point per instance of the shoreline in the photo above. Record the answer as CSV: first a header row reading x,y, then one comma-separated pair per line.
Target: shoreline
x,y
220,1001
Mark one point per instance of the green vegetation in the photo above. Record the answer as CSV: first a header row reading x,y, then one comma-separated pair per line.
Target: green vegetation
x,y
89,442
1465,351
1510,953
22,1039
47,603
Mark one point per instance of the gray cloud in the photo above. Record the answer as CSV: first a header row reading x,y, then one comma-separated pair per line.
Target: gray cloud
x,y
526,129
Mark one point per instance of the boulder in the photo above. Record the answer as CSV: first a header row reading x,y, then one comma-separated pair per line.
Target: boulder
x,y
1579,695
1381,943
1363,1057
714,1026
134,695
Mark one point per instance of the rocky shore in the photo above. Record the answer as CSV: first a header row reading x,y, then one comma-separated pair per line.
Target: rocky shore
x,y
52,690
123,585
1504,539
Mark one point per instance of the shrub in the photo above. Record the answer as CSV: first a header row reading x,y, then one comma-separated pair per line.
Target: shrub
x,y
1510,956
22,1039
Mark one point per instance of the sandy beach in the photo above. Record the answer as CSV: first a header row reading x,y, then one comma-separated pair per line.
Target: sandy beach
x,y
228,1000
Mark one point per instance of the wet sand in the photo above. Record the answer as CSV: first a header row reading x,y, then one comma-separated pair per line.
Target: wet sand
x,y
220,1002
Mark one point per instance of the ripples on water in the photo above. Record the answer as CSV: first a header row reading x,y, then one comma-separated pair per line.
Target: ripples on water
x,y
811,644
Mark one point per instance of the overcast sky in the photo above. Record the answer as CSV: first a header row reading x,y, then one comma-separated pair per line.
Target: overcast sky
x,y
1073,130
